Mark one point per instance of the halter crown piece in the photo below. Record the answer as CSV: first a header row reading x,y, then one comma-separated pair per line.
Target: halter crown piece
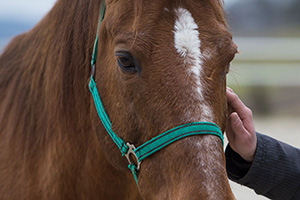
x,y
156,143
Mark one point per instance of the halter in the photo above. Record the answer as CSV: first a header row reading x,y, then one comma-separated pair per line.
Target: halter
x,y
156,143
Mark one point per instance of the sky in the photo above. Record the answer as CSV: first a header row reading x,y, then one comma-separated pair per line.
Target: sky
x,y
24,10
32,10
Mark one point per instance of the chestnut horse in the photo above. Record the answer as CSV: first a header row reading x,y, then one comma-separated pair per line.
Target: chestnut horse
x,y
161,64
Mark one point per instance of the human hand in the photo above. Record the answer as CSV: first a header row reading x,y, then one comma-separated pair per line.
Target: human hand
x,y
240,129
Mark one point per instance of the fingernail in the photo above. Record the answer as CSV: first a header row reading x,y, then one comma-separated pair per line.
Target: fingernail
x,y
236,118
230,90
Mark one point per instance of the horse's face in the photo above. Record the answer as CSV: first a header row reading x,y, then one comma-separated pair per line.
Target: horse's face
x,y
162,64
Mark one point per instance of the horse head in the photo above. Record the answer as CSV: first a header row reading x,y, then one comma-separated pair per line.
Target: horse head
x,y
162,64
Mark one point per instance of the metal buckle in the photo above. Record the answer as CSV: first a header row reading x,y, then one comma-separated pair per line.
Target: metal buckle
x,y
131,149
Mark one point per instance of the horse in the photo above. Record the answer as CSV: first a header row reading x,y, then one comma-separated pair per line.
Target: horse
x,y
161,64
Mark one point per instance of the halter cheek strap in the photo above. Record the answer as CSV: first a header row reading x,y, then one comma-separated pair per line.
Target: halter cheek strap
x,y
156,143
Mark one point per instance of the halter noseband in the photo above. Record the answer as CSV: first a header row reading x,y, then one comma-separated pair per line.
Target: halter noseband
x,y
156,143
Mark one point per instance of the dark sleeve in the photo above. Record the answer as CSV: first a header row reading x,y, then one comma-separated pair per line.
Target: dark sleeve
x,y
274,172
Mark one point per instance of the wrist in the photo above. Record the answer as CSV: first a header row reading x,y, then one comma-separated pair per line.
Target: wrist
x,y
249,154
248,157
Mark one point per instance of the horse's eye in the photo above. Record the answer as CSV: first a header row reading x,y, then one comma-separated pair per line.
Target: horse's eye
x,y
126,61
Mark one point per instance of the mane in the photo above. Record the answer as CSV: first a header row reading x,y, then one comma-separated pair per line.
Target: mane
x,y
44,77
221,15
219,12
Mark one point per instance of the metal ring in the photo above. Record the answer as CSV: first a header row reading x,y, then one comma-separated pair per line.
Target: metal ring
x,y
131,149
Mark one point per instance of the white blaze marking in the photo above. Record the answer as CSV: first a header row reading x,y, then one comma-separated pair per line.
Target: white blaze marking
x,y
187,44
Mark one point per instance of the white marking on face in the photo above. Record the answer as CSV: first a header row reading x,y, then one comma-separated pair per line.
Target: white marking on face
x,y
206,164
187,44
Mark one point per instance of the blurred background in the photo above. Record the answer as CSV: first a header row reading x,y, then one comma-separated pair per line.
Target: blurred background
x,y
266,73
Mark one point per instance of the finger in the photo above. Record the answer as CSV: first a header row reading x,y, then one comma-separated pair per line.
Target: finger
x,y
230,109
228,88
229,131
233,99
236,104
237,126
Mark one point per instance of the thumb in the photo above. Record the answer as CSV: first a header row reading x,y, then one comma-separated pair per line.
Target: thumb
x,y
236,125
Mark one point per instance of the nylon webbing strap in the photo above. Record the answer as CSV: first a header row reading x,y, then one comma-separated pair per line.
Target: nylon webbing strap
x,y
170,136
93,88
95,49
104,118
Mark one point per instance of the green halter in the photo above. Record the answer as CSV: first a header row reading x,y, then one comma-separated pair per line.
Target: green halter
x,y
156,143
